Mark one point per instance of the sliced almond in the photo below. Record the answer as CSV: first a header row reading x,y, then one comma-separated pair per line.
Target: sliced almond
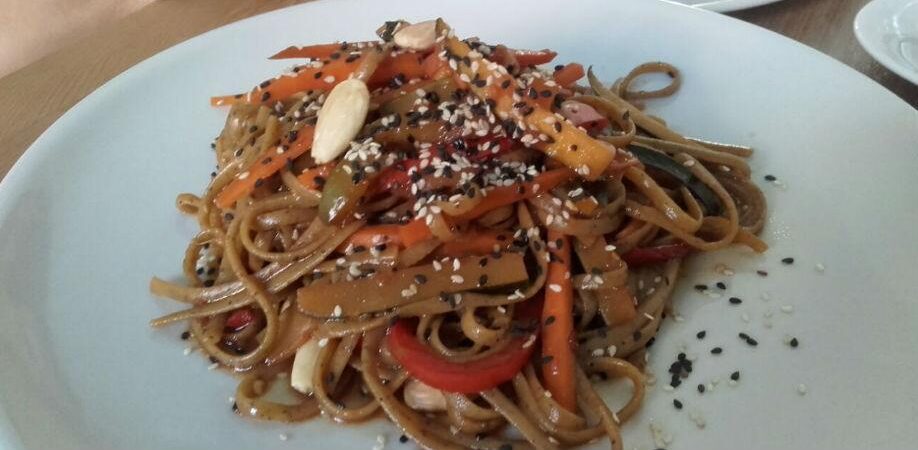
x,y
421,397
419,36
340,119
304,365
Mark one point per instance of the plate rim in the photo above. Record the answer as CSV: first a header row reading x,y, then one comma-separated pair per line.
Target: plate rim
x,y
723,6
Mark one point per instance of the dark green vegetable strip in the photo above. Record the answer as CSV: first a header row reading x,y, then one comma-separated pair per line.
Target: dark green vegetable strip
x,y
662,162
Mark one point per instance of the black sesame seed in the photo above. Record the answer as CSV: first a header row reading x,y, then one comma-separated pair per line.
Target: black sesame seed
x,y
743,336
483,262
208,283
420,279
482,280
550,320
317,75
677,403
212,359
701,287
265,96
547,359
721,285
559,67
185,335
403,439
701,389
200,271
788,261
235,407
794,342
762,273
734,376
735,300
717,350
701,334
770,178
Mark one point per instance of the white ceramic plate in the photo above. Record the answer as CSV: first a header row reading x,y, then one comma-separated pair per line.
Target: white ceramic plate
x,y
86,217
724,5
888,30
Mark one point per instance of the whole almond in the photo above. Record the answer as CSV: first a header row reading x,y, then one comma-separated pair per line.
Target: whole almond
x,y
419,36
340,119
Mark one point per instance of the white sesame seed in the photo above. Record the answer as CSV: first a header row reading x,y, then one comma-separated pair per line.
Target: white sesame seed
x,y
820,267
329,79
337,311
529,341
456,264
323,342
213,366
688,163
678,318
668,388
437,266
648,316
598,352
187,351
244,175
283,436
457,279
611,248
554,287
549,219
787,309
612,350
801,389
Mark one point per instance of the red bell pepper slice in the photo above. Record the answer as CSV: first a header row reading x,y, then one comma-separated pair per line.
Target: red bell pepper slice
x,y
240,318
653,255
465,377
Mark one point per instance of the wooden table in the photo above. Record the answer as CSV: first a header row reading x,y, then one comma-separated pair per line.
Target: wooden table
x,y
35,96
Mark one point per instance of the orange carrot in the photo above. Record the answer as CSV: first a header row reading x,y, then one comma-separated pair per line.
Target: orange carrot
x,y
587,205
558,326
371,235
319,51
227,100
324,78
405,66
508,195
434,67
533,57
414,232
472,243
267,164
309,176
569,74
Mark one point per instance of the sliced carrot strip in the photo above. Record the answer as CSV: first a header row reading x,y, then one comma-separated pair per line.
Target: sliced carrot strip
x,y
558,325
267,164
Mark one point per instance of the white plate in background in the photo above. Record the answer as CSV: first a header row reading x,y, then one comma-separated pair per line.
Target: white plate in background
x,y
87,217
888,30
724,5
